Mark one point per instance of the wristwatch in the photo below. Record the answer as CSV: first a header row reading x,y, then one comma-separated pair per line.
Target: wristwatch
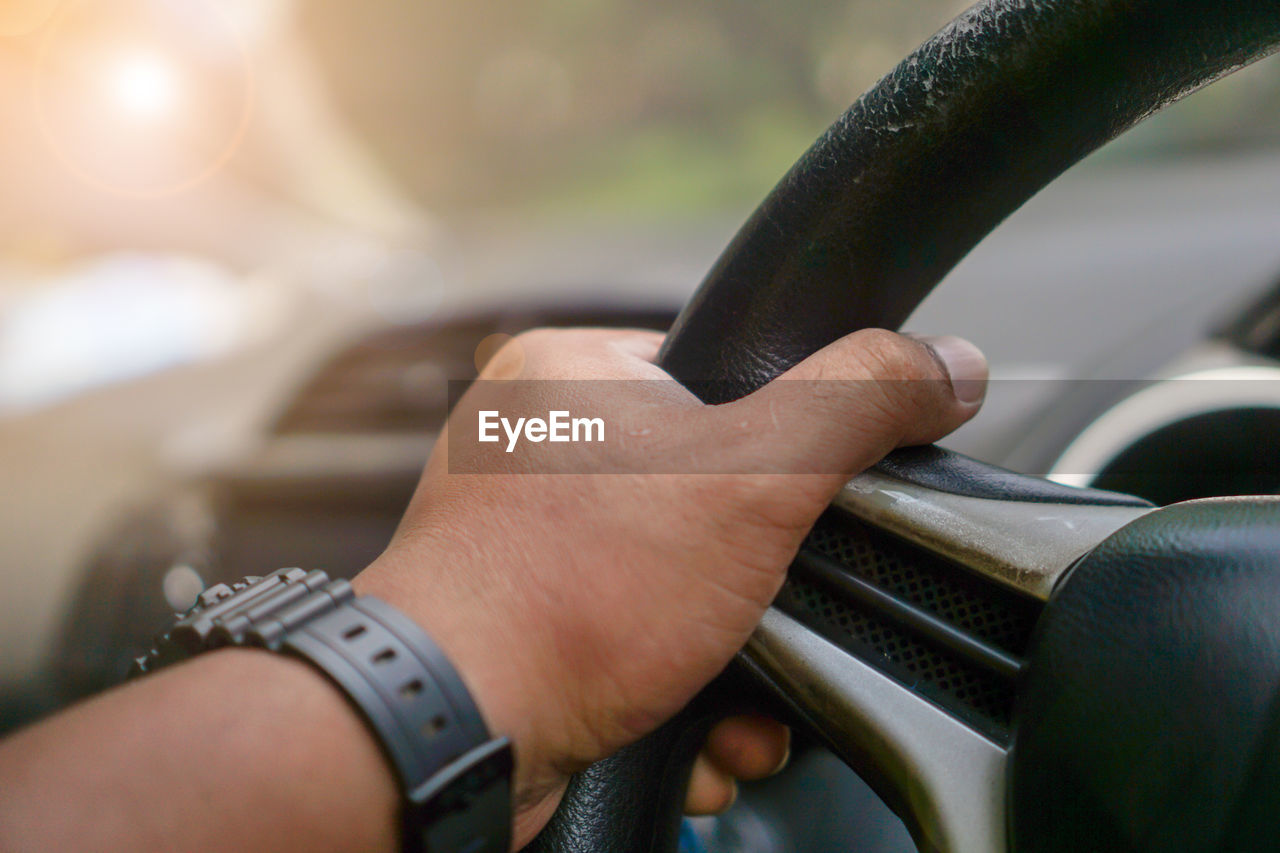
x,y
455,778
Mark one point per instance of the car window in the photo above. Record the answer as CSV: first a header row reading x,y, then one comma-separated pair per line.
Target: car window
x,y
290,153
654,106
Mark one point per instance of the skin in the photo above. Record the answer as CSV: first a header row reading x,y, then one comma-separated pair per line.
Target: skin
x,y
583,609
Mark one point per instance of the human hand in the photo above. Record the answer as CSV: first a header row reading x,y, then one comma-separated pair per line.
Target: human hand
x,y
584,609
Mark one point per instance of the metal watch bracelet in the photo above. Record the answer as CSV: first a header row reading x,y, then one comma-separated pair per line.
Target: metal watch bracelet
x,y
455,779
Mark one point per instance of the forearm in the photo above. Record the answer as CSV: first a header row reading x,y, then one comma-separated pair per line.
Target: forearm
x,y
236,750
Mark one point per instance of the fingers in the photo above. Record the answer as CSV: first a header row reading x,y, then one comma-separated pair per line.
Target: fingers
x,y
850,403
834,414
745,747
571,354
749,747
711,790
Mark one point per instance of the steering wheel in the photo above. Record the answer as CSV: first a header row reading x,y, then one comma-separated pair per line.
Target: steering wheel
x,y
1010,663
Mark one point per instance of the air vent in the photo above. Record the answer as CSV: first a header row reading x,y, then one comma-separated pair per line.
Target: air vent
x,y
397,380
945,633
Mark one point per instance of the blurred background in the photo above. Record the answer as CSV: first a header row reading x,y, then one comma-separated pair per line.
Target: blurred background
x,y
244,243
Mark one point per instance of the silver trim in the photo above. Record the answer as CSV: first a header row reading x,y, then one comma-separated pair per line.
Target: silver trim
x,y
946,780
1199,392
1022,545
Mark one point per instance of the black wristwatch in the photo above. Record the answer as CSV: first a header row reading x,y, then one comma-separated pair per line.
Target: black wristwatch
x,y
455,778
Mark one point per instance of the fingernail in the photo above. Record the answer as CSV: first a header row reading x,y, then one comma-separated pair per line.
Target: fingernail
x,y
965,364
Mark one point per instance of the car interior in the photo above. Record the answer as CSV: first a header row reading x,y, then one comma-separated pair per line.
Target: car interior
x,y
1039,636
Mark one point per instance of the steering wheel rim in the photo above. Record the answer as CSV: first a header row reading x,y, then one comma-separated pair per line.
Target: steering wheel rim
x,y
925,164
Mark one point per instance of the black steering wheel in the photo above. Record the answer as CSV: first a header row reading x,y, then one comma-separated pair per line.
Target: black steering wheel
x,y
1012,664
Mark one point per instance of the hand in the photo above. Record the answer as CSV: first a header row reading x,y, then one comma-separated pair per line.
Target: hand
x,y
584,609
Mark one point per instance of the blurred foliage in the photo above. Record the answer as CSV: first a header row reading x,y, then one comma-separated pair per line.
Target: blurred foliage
x,y
657,106
683,104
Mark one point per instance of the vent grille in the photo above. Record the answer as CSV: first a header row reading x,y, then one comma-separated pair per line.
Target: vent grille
x,y
921,578
397,380
983,610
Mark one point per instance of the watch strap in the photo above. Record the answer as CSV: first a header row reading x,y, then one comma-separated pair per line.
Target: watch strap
x,y
454,778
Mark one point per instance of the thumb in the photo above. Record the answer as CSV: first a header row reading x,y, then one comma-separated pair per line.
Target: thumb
x,y
846,406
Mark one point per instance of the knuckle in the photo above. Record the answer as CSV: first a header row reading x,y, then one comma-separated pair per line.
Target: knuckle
x,y
888,355
538,353
533,339
904,400
905,380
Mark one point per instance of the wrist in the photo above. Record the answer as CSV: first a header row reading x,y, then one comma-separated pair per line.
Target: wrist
x,y
454,778
324,731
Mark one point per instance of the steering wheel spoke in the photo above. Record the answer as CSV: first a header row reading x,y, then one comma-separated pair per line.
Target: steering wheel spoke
x,y
948,779
1018,531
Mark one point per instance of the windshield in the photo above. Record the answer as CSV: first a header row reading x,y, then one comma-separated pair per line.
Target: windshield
x,y
654,106
184,178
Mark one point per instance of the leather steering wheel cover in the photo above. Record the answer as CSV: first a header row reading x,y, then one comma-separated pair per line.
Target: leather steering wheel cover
x,y
1165,631
965,130
899,189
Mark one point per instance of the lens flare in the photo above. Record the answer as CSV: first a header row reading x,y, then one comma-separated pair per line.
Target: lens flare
x,y
143,86
139,101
